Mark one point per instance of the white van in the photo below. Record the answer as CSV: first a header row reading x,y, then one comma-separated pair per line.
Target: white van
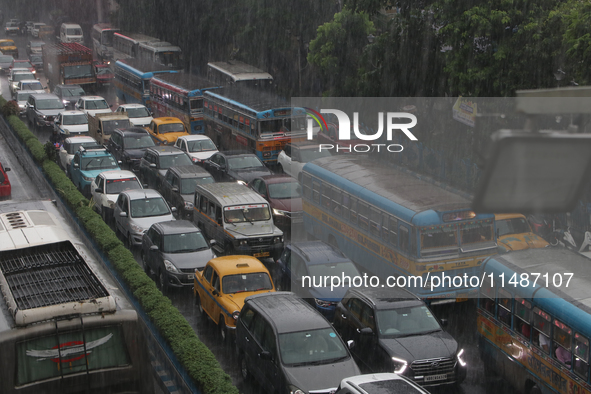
x,y
71,32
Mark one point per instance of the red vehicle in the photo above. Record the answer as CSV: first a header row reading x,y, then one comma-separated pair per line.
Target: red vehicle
x,y
104,74
22,64
5,188
284,195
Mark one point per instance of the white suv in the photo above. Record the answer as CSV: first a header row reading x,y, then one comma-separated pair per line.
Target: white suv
x,y
375,383
92,105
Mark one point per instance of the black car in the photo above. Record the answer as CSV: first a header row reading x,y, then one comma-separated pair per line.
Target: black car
x,y
128,146
41,109
36,60
157,160
394,331
231,166
69,94
178,187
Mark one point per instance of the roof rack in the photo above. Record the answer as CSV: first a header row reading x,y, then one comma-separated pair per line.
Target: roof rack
x,y
83,148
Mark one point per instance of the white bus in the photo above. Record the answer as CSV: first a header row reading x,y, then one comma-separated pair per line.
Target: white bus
x,y
161,52
239,73
102,40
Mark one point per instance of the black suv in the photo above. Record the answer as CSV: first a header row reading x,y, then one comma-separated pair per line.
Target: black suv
x,y
156,161
231,166
41,109
69,94
128,146
394,331
178,187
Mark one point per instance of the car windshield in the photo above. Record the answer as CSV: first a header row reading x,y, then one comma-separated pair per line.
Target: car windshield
x,y
32,86
70,92
415,320
148,207
184,243
37,44
307,155
116,186
512,226
171,128
6,59
74,32
96,104
74,119
138,142
98,163
250,213
241,283
242,162
23,76
37,59
74,146
314,347
22,95
168,161
50,104
7,44
188,184
346,268
285,190
140,112
201,145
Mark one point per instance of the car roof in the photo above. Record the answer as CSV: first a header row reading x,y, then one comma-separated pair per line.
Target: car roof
x,y
18,70
231,264
304,145
134,105
318,252
18,92
89,98
355,381
45,96
176,227
165,150
384,297
232,193
73,112
189,171
29,81
132,131
80,138
194,137
167,119
277,178
287,312
237,153
94,152
118,174
139,194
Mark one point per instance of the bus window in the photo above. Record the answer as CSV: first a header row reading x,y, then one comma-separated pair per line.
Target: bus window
x,y
307,181
316,191
375,222
474,233
392,231
336,201
541,334
562,337
404,239
487,301
363,215
504,309
326,192
581,356
439,237
353,210
345,206
522,320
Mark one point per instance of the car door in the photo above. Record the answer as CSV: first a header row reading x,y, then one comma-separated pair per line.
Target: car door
x,y
98,183
285,159
212,165
166,186
179,144
114,145
267,365
64,154
155,260
176,199
296,269
75,171
212,305
121,206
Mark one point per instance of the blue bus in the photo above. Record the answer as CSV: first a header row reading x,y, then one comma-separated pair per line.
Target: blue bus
x,y
180,95
394,223
245,118
132,79
534,319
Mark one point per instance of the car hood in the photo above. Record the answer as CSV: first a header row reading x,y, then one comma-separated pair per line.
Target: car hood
x,y
93,112
140,122
238,298
202,155
134,153
169,137
74,129
521,241
421,347
50,112
287,204
190,260
145,223
248,174
247,229
94,173
321,377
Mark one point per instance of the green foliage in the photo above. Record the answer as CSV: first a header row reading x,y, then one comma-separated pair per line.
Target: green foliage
x,y
10,108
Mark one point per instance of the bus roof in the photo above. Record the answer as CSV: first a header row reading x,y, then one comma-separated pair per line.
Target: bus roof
x,y
141,66
134,37
188,83
105,26
251,100
413,192
240,71
160,46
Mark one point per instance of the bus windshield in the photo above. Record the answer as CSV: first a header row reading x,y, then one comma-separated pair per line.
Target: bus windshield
x,y
107,38
472,233
439,237
171,59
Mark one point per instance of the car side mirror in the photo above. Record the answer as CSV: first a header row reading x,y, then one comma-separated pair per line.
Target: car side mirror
x,y
350,344
175,189
212,242
98,190
152,165
265,355
76,165
366,331
123,214
173,209
154,248
443,322
6,169
215,292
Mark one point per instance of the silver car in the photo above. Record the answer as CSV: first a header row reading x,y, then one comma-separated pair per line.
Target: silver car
x,y
136,210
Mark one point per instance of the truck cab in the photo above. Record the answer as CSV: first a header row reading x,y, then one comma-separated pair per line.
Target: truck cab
x,y
100,126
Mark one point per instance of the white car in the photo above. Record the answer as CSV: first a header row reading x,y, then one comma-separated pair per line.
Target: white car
x,y
105,189
138,114
35,29
16,75
21,97
198,147
92,105
294,156
69,123
69,148
378,383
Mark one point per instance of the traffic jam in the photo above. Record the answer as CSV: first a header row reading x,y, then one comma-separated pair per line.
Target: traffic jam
x,y
244,223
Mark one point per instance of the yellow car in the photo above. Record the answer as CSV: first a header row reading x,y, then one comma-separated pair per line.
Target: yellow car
x,y
165,131
8,47
514,233
224,283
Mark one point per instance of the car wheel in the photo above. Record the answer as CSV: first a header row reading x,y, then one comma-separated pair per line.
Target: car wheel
x,y
128,242
147,269
280,169
222,328
244,371
199,306
104,215
162,285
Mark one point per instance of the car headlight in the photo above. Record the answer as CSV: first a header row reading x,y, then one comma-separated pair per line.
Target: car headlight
x,y
279,212
34,71
399,365
136,228
88,178
66,102
164,142
235,315
277,239
460,359
170,267
188,205
66,131
44,117
322,303
241,183
196,160
294,390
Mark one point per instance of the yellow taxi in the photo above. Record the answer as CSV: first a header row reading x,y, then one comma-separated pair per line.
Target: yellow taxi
x,y
514,233
8,47
221,287
166,130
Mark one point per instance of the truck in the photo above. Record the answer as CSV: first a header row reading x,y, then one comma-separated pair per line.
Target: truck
x,y
68,64
100,126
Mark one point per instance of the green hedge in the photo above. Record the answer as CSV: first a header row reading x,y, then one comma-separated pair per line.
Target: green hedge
x,y
197,359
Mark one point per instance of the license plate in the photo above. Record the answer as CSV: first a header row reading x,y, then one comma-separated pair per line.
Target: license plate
x,y
461,299
263,254
191,276
431,378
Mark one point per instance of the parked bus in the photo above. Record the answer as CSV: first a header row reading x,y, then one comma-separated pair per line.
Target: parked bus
x,y
161,52
180,95
65,326
243,118
239,73
128,43
102,40
391,222
132,79
534,319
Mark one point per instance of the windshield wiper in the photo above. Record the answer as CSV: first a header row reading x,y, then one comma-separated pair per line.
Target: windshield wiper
x,y
245,218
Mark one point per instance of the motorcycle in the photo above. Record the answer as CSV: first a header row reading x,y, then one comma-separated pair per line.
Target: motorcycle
x,y
563,238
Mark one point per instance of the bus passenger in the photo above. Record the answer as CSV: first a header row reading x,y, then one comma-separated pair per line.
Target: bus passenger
x,y
544,342
563,355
